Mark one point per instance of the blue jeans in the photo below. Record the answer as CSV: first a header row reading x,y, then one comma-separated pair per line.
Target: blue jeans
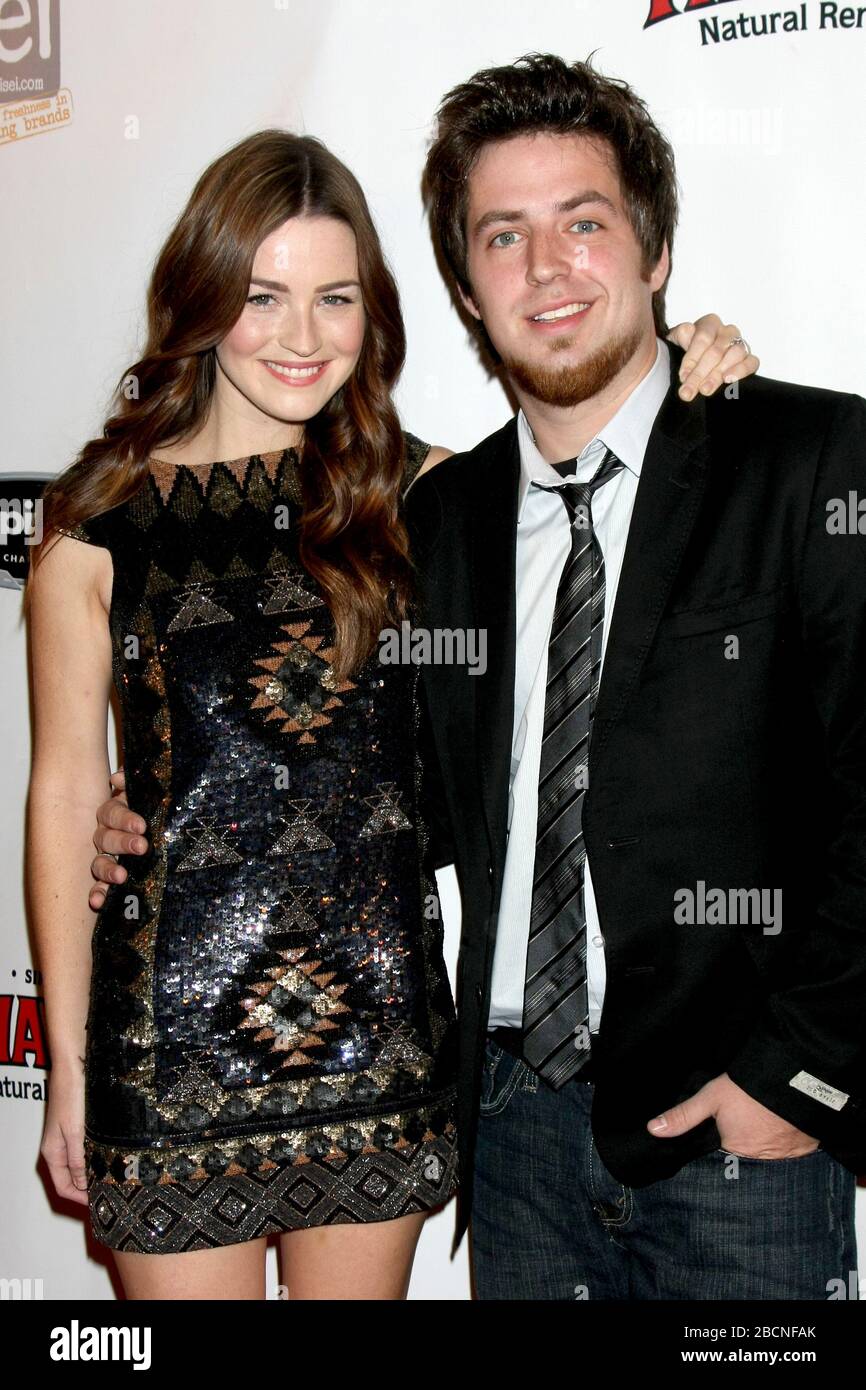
x,y
550,1222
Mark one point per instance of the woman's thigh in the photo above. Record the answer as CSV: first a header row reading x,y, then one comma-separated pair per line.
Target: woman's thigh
x,y
227,1272
369,1260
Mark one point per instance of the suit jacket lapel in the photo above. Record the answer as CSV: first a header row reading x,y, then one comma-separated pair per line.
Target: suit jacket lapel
x,y
494,540
672,482
671,486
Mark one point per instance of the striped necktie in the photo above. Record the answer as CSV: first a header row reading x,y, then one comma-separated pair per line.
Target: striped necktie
x,y
555,1005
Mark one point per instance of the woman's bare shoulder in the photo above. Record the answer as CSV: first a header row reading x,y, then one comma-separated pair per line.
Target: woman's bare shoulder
x,y
437,453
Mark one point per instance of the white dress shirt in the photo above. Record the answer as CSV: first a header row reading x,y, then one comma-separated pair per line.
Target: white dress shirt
x,y
543,544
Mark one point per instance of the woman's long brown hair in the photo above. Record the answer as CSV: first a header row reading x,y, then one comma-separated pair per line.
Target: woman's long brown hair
x,y
352,538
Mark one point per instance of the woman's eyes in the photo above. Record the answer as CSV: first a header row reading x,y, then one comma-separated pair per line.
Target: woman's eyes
x,y
328,299
585,226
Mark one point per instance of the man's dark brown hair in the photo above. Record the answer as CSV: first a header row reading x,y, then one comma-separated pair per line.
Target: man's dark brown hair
x,y
541,92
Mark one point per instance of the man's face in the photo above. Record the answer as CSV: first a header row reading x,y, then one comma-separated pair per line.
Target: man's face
x,y
555,266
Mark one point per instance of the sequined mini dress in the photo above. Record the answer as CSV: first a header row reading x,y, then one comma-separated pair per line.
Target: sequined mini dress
x,y
271,1037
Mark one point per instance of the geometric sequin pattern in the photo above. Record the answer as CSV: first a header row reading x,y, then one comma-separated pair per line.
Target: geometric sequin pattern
x,y
199,1214
387,815
301,831
298,686
208,847
271,1037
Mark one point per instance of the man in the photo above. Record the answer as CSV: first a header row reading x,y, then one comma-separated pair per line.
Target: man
x,y
682,605
662,1059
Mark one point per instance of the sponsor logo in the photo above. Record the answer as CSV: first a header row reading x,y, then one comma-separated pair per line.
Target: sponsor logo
x,y
29,49
32,100
716,25
20,524
666,9
23,1040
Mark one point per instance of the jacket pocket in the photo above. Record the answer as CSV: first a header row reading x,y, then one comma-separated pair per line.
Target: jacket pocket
x,y
691,621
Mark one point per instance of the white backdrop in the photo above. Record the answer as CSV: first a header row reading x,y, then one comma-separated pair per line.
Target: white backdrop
x,y
766,129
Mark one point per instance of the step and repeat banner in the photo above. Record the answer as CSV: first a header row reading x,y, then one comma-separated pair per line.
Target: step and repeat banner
x,y
108,113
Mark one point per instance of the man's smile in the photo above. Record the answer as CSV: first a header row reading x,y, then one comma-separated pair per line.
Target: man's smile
x,y
558,315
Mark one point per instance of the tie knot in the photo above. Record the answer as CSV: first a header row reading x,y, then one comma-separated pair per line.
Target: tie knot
x,y
577,496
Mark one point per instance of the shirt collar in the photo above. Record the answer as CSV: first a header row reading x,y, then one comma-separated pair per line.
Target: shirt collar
x,y
625,434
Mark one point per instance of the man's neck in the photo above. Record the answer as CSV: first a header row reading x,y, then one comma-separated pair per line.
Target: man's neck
x,y
562,432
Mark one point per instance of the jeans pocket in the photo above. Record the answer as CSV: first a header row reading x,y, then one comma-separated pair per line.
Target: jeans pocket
x,y
749,1158
500,1078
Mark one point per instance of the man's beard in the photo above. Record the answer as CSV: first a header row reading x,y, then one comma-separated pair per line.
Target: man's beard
x,y
569,385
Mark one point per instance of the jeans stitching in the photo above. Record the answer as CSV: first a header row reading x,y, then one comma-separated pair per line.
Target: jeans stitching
x,y
530,1080
627,1210
494,1055
626,1193
838,1210
496,1104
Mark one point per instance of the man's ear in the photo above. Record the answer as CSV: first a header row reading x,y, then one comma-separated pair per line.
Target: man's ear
x,y
661,270
469,304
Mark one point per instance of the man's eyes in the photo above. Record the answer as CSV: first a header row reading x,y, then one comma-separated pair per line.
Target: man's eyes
x,y
497,240
585,226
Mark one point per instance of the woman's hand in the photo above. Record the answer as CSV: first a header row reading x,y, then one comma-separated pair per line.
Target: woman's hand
x,y
62,1144
118,831
710,357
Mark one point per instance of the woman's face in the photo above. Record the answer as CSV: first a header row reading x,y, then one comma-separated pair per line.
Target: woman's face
x,y
301,330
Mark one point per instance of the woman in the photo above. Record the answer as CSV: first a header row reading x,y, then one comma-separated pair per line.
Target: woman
x,y
264,1040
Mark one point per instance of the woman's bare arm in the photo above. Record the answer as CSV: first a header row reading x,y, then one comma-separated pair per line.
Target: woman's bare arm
x,y
70,653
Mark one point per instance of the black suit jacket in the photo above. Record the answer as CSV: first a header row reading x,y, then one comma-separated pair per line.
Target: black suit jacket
x,y
738,771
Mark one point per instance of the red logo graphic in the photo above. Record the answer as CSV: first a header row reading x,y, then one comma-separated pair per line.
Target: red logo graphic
x,y
666,9
22,1034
